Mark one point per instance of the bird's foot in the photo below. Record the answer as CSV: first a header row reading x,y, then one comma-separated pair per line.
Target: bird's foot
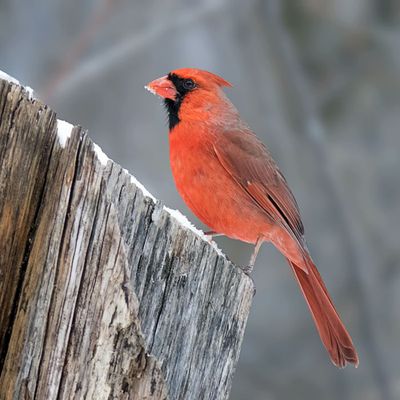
x,y
247,269
209,238
211,234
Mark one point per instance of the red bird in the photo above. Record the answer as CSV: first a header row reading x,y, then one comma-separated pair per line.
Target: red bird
x,y
228,179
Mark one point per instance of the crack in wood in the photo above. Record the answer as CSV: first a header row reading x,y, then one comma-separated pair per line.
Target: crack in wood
x,y
26,254
67,216
75,315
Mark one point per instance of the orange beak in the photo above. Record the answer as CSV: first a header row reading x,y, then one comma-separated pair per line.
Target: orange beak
x,y
162,87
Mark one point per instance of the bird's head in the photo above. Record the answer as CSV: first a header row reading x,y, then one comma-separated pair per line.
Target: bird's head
x,y
190,94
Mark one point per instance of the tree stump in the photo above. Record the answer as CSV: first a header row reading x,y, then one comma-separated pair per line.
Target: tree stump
x,y
104,292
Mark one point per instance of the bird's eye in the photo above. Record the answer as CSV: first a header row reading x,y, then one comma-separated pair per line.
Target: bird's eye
x,y
188,84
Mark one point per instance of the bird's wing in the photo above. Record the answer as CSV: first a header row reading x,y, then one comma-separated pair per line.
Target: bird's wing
x,y
249,163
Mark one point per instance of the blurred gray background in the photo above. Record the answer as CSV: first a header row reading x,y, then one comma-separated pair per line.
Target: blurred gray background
x,y
319,82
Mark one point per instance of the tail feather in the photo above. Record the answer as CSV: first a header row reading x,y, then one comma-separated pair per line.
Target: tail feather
x,y
331,329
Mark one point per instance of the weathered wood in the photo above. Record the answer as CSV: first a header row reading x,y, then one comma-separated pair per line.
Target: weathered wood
x,y
103,293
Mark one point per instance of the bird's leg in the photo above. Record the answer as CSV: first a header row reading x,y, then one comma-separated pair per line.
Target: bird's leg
x,y
249,268
211,234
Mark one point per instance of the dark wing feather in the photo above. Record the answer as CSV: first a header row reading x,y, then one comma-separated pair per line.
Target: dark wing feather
x,y
248,161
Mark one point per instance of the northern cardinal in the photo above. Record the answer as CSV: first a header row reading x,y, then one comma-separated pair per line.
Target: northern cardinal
x,y
228,178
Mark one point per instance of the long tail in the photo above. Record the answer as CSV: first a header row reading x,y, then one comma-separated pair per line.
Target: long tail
x,y
331,329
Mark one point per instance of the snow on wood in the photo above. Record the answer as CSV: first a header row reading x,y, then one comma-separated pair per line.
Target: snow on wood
x,y
182,219
64,130
100,154
140,186
8,78
30,92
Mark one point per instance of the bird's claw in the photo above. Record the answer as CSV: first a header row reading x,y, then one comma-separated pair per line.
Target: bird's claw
x,y
247,269
209,238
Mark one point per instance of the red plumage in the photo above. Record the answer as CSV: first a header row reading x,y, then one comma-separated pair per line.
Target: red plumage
x,y
228,178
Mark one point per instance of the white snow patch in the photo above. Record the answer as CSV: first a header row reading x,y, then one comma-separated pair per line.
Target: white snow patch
x,y
141,187
30,91
64,130
8,78
100,154
182,219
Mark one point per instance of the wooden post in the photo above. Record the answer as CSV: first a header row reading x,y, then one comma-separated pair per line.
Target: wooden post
x,y
104,293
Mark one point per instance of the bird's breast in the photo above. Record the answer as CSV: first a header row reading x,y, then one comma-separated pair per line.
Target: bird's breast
x,y
210,192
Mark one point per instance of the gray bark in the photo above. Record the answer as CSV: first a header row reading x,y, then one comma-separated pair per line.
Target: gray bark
x,y
103,293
